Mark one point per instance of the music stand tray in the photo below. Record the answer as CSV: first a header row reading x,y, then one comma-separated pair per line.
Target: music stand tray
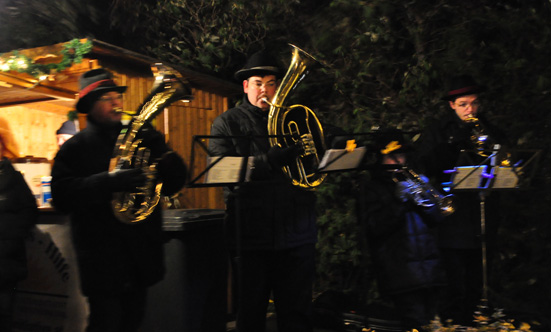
x,y
494,175
216,171
341,160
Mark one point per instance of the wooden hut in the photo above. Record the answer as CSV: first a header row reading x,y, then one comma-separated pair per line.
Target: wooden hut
x,y
33,108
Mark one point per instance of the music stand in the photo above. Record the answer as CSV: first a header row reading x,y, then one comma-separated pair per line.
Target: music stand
x,y
216,171
487,176
335,160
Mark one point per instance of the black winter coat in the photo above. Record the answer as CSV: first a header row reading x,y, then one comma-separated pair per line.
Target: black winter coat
x,y
439,149
401,238
18,214
274,214
111,255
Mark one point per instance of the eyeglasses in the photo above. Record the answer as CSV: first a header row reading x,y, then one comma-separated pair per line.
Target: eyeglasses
x,y
258,85
110,99
464,104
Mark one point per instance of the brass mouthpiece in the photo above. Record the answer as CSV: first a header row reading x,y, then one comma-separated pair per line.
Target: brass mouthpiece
x,y
471,119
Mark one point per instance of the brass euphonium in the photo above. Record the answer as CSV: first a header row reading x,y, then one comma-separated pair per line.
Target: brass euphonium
x,y
134,207
297,124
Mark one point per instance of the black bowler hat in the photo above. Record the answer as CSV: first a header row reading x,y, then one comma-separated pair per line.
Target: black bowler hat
x,y
259,64
390,141
93,84
462,86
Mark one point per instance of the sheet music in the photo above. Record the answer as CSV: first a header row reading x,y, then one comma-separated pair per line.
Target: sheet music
x,y
341,159
468,177
505,177
226,170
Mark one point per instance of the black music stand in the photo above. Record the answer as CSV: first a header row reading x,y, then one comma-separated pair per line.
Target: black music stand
x,y
493,173
337,160
219,171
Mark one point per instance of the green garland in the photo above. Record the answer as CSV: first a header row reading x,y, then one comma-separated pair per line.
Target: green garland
x,y
72,52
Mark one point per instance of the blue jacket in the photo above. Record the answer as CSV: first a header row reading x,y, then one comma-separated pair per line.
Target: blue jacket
x,y
401,238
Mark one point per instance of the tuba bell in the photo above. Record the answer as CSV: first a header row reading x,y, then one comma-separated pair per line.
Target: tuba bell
x,y
134,207
297,124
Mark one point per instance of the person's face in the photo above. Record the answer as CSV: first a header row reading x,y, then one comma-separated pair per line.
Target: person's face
x,y
257,88
107,109
62,138
465,106
394,159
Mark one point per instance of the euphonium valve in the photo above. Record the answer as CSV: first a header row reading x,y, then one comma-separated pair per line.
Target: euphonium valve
x,y
297,124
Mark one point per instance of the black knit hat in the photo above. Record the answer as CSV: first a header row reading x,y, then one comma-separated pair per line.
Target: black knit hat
x,y
93,84
462,86
259,64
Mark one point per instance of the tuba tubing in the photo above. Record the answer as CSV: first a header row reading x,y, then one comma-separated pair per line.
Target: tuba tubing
x,y
135,207
297,124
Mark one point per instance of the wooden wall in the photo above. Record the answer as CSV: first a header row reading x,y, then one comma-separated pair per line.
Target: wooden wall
x,y
31,129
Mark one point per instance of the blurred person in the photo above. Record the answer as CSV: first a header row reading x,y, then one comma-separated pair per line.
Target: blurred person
x,y
67,130
117,261
18,214
399,224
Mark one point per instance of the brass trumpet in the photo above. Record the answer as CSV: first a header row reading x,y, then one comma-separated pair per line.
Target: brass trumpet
x,y
478,135
413,187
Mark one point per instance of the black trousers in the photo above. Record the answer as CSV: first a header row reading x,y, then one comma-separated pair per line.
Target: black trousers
x,y
464,291
287,275
417,308
7,296
119,312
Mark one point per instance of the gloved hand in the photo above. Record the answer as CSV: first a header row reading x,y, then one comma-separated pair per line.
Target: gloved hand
x,y
126,179
172,171
403,191
279,157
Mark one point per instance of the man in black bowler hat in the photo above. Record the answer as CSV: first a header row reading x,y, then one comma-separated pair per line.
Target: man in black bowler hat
x,y
463,128
117,262
271,224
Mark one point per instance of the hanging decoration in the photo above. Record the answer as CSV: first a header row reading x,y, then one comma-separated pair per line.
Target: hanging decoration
x,y
72,52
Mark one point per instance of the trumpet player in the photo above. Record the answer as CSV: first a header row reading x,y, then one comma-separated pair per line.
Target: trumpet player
x,y
117,262
400,232
459,237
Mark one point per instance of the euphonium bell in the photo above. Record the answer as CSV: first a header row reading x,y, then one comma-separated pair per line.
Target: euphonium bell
x,y
297,124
